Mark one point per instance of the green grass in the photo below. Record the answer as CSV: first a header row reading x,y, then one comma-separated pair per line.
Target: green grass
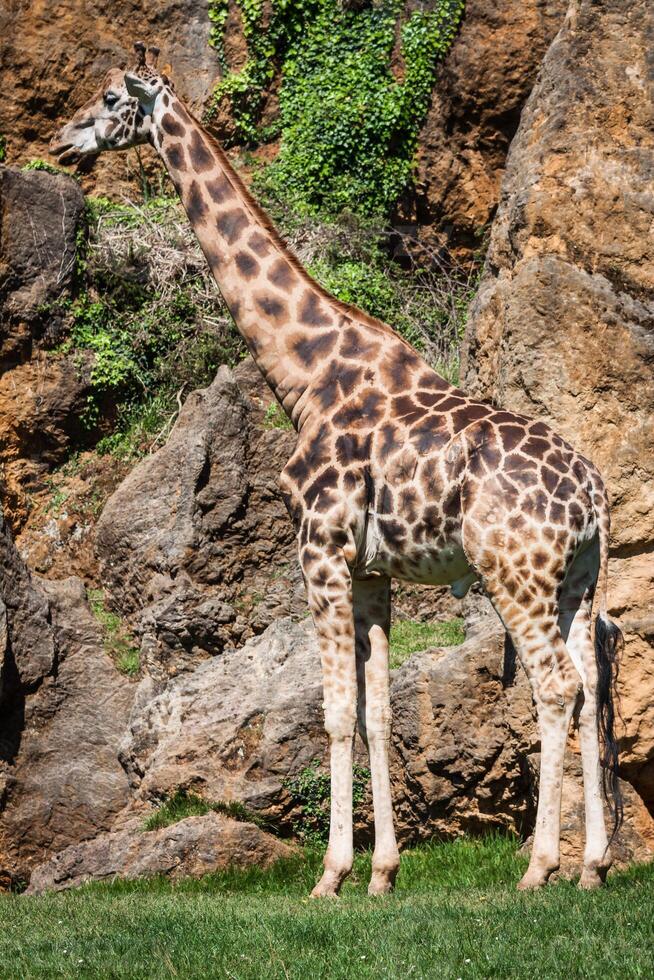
x,y
184,803
118,642
409,636
455,913
276,418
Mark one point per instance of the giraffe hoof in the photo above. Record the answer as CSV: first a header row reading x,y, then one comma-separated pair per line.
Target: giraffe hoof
x,y
592,877
328,886
532,880
322,891
381,883
530,885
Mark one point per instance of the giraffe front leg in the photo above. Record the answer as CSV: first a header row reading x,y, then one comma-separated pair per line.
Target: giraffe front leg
x,y
372,624
329,591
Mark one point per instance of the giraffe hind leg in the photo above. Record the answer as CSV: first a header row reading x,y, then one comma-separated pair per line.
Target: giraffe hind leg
x,y
575,610
556,686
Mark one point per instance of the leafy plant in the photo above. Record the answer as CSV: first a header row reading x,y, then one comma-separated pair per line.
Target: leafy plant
x,y
276,418
409,636
150,316
310,791
3,148
39,164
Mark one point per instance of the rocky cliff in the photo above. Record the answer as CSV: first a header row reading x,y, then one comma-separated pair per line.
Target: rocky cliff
x,y
563,325
152,638
59,55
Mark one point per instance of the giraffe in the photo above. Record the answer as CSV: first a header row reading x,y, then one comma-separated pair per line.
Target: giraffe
x,y
396,474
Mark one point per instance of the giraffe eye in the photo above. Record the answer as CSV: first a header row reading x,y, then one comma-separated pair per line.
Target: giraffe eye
x,y
110,99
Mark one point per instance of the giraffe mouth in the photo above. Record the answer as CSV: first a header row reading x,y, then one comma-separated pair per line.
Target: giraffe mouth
x,y
66,154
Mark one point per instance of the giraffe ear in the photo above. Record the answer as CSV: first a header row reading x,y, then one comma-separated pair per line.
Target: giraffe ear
x,y
137,87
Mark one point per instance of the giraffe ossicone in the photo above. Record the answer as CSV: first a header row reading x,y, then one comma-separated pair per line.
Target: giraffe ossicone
x,y
396,474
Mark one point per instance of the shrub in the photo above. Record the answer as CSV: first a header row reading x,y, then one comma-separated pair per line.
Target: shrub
x,y
152,318
310,792
185,803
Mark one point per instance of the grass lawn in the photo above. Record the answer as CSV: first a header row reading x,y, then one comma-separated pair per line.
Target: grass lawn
x,y
455,914
408,636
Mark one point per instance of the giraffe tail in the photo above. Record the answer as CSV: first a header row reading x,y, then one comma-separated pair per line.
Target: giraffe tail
x,y
609,643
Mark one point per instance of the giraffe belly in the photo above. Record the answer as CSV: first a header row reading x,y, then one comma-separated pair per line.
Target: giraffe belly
x,y
433,564
444,566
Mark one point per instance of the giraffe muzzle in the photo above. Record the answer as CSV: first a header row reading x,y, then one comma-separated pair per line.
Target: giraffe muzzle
x,y
66,153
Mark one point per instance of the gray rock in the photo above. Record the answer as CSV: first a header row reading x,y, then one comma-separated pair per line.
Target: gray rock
x,y
196,544
192,847
40,217
464,739
63,709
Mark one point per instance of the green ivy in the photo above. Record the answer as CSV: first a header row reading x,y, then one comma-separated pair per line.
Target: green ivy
x,y
355,88
310,791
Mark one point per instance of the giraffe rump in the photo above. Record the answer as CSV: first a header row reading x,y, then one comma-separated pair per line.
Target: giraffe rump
x,y
608,646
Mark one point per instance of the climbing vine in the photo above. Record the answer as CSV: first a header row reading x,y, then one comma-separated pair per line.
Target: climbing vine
x,y
355,87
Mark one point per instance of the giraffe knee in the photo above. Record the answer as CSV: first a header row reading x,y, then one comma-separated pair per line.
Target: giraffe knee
x,y
374,721
340,721
562,691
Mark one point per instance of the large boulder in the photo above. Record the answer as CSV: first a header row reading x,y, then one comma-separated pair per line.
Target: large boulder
x,y
563,326
196,544
63,709
190,848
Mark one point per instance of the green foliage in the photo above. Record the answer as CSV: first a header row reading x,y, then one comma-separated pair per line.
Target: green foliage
x,y
276,418
409,636
310,792
118,642
185,803
177,807
355,87
426,300
144,326
39,164
3,148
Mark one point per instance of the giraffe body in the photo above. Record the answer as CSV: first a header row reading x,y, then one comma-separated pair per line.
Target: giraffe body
x,y
396,473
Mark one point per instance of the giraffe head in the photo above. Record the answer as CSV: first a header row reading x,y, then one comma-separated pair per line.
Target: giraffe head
x,y
118,115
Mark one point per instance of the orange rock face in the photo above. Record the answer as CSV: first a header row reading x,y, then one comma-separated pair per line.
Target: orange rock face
x,y
563,326
474,114
59,53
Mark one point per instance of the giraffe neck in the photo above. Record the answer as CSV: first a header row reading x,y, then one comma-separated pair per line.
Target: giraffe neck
x,y
286,319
